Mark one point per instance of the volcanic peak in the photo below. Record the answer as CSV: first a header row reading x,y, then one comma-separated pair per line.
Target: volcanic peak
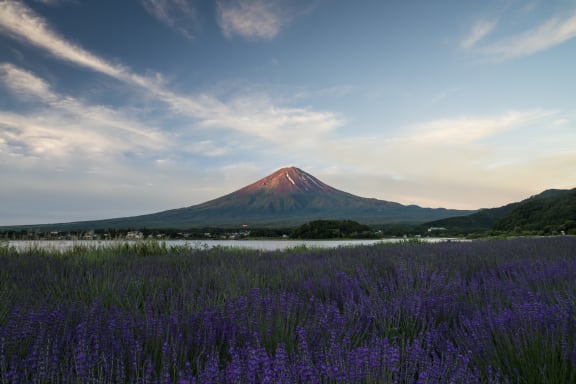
x,y
289,196
288,180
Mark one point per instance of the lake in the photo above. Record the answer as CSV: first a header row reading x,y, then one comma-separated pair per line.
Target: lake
x,y
266,245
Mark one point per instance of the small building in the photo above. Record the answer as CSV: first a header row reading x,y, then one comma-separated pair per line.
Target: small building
x,y
89,235
134,235
436,229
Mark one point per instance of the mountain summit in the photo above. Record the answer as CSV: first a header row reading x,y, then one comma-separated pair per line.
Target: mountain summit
x,y
287,197
288,180
292,195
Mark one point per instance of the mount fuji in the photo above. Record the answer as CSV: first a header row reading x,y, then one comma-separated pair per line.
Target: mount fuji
x,y
287,197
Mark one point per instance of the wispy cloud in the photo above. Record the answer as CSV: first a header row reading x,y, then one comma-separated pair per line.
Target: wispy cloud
x,y
179,15
65,125
479,30
455,152
207,148
550,33
257,115
24,84
22,23
246,114
252,19
469,129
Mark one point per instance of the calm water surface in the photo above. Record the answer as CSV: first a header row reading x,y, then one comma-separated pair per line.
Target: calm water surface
x,y
267,245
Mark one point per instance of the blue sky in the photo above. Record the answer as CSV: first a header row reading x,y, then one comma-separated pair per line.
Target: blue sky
x,y
116,108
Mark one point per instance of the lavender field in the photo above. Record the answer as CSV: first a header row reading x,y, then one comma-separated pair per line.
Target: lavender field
x,y
490,311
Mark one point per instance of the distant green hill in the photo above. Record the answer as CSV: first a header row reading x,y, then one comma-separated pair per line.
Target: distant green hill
x,y
482,220
553,210
550,213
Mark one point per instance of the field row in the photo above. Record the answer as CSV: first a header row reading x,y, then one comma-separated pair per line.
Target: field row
x,y
491,311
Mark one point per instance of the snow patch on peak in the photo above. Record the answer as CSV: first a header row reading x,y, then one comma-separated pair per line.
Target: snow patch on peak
x,y
289,178
313,181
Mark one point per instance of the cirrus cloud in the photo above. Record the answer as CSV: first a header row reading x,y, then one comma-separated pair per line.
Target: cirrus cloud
x,y
246,114
63,125
479,31
255,19
179,15
550,33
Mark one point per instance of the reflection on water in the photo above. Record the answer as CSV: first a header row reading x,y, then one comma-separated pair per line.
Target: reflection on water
x,y
266,245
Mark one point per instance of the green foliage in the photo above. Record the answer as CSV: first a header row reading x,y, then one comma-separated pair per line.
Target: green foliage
x,y
542,216
476,222
548,213
333,229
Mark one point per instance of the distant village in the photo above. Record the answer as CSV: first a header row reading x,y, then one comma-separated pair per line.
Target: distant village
x,y
196,234
124,235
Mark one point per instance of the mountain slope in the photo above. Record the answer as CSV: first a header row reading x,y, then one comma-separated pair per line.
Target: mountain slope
x,y
287,197
552,212
479,221
551,207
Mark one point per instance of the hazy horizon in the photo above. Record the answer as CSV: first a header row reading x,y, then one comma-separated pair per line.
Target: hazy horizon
x,y
115,109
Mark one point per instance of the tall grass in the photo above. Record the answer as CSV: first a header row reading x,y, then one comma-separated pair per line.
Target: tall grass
x,y
483,312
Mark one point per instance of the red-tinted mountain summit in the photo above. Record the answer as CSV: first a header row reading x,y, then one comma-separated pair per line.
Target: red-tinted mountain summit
x,y
287,197
290,194
288,180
